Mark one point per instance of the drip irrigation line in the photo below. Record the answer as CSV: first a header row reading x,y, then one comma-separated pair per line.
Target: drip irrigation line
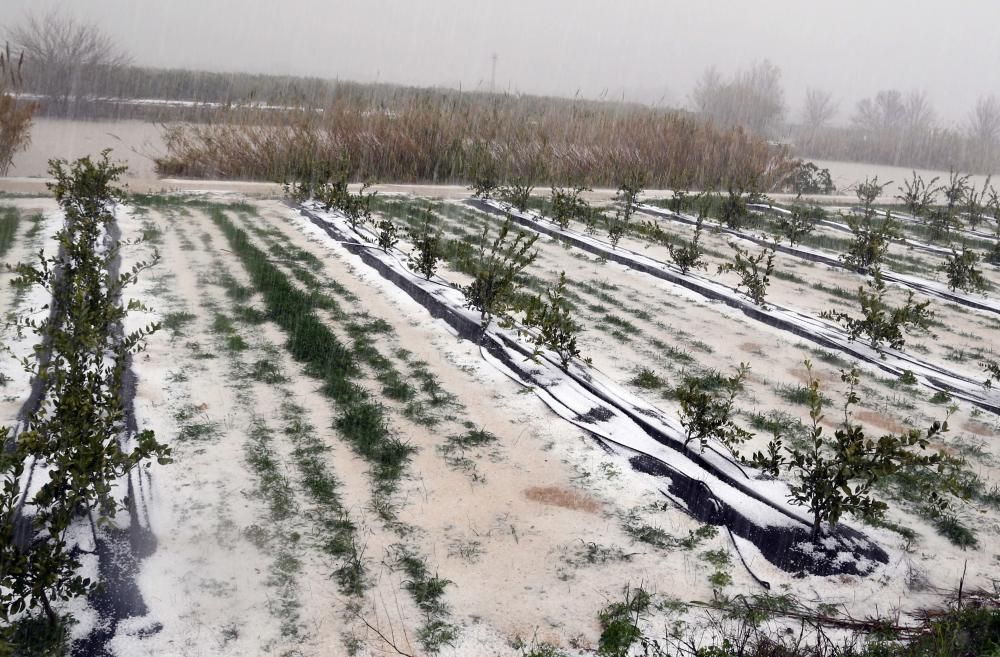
x,y
765,584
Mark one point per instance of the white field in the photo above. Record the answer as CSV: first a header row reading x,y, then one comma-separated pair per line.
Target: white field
x,y
529,530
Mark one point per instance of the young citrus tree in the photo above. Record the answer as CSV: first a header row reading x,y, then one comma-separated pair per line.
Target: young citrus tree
x,y
427,246
497,265
707,411
800,223
626,202
687,255
942,220
78,431
880,323
754,271
553,322
568,204
918,196
962,272
838,474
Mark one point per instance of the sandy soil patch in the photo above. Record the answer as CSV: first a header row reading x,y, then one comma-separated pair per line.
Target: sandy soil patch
x,y
561,497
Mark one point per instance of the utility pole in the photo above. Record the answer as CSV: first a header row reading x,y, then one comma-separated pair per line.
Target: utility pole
x,y
493,76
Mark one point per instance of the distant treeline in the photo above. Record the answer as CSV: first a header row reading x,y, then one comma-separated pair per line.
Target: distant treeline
x,y
929,147
97,92
888,128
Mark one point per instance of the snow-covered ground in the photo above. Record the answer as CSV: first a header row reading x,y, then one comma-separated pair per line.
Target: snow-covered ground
x,y
531,531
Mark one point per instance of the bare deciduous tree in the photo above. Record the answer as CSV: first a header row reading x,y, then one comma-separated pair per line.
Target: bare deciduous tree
x,y
62,51
918,115
753,98
819,108
983,131
898,127
882,113
984,120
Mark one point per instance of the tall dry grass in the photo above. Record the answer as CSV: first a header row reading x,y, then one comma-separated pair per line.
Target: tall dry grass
x,y
434,136
15,113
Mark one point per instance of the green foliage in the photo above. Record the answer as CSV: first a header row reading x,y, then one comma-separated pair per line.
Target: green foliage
x,y
918,196
329,185
871,237
495,270
734,211
78,429
880,323
9,220
518,189
619,623
754,271
387,234
554,326
427,591
707,412
687,255
962,271
993,257
976,205
807,178
626,201
943,220
679,201
325,357
992,369
838,476
568,204
484,172
647,379
428,247
800,223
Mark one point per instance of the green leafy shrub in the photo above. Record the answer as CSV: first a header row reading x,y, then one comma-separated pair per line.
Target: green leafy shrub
x,y
554,326
428,248
807,178
687,255
739,194
918,196
838,475
800,223
495,271
962,273
707,411
880,323
871,237
387,233
77,429
942,220
626,201
568,204
754,271
484,172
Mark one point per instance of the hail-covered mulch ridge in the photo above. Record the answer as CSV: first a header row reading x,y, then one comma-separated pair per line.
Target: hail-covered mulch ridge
x,y
712,487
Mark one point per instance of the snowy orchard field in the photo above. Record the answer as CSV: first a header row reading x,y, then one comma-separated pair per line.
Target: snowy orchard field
x,y
406,492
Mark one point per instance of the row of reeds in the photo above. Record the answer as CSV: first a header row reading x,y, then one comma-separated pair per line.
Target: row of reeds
x,y
437,136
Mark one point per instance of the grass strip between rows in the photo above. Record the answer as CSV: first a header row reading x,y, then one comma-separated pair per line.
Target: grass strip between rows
x,y
361,420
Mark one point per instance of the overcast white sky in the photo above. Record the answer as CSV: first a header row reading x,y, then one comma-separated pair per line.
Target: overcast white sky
x,y
648,50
